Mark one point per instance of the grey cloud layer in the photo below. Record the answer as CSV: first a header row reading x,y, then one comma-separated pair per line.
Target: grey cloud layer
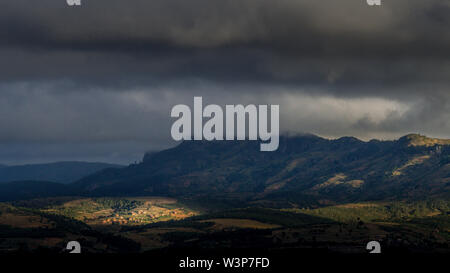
x,y
110,70
322,41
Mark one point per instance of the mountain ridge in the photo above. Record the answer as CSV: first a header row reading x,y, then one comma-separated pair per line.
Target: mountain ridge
x,y
347,169
421,140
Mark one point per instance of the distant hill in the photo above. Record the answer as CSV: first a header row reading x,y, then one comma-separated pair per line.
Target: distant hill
x,y
20,190
304,169
62,172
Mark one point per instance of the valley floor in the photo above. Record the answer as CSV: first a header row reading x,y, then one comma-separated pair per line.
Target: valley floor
x,y
142,224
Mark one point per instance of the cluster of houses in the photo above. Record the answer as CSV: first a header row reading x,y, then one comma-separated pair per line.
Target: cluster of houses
x,y
143,216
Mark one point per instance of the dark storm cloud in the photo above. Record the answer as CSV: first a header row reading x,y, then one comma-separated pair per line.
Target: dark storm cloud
x,y
109,71
285,41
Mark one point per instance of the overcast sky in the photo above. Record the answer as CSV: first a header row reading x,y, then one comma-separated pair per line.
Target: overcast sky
x,y
97,82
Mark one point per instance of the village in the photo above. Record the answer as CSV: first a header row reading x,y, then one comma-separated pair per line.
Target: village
x,y
145,216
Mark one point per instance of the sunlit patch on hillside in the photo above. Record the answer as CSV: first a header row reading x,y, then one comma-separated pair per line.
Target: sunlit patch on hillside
x,y
414,161
339,179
